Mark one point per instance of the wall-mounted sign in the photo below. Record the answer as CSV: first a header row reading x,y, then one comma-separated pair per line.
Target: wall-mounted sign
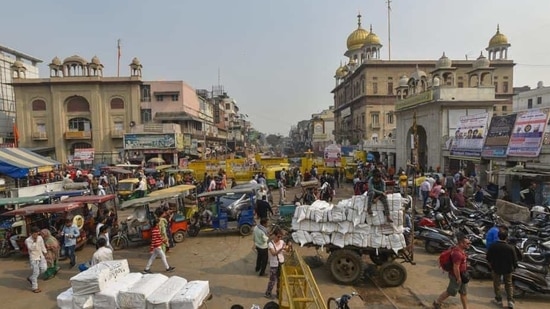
x,y
150,141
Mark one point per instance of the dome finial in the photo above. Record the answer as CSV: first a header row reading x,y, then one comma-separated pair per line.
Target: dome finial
x,y
358,19
444,55
498,28
370,28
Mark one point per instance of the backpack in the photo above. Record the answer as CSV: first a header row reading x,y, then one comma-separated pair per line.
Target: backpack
x,y
445,261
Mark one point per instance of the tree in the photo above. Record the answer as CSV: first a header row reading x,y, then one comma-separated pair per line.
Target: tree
x,y
273,140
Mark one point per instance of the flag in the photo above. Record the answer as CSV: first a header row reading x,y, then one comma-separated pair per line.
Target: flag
x,y
118,47
15,135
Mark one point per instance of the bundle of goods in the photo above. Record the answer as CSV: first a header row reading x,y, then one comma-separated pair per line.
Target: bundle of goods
x,y
349,224
111,285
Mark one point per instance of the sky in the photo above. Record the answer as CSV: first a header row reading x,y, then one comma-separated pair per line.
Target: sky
x,y
275,58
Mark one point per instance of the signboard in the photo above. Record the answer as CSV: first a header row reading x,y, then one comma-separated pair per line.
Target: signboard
x,y
149,141
83,154
498,136
333,156
469,135
526,138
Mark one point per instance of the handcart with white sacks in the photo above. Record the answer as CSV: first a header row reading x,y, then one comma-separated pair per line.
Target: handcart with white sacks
x,y
347,232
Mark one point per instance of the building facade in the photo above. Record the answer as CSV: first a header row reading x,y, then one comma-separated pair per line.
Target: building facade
x,y
366,88
532,98
77,108
322,128
12,63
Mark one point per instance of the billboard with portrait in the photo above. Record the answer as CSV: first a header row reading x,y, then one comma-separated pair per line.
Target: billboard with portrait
x,y
469,135
498,136
527,135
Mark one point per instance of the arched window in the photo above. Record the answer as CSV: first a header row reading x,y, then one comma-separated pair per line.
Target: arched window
x,y
80,124
77,104
117,103
80,145
38,105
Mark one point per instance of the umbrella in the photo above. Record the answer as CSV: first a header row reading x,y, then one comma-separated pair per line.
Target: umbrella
x,y
156,160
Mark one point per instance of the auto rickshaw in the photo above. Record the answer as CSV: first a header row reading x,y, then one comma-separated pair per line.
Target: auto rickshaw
x,y
99,206
127,189
273,173
137,227
309,192
211,216
47,216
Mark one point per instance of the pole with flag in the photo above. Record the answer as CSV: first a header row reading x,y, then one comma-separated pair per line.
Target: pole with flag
x,y
118,58
389,29
15,135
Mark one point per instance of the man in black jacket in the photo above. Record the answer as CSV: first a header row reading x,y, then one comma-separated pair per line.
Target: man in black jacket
x,y
503,260
263,207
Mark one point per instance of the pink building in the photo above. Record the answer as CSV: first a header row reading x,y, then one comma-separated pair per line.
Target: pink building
x,y
169,96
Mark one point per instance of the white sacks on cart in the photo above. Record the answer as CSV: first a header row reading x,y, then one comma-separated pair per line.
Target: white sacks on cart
x,y
108,297
95,278
349,224
191,296
135,297
160,298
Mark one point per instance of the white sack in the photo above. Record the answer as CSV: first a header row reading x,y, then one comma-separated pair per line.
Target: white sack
x,y
359,203
329,227
135,296
362,229
338,214
320,238
160,298
337,239
301,237
83,301
300,213
345,227
108,298
65,299
191,296
294,224
310,226
394,242
377,218
95,278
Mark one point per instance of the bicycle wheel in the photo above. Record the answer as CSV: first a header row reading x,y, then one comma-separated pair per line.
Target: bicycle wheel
x,y
332,303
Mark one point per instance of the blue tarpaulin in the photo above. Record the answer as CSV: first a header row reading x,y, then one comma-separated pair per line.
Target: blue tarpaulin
x,y
19,162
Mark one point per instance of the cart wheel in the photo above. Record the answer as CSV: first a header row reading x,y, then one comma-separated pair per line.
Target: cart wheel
x,y
380,259
345,266
429,248
392,274
245,229
179,236
119,242
193,230
332,303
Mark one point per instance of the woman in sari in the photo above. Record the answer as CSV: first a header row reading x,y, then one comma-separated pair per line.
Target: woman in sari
x,y
52,245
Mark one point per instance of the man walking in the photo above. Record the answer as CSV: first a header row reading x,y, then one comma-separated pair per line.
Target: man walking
x,y
261,239
37,249
503,260
458,282
156,249
262,207
70,233
377,191
425,188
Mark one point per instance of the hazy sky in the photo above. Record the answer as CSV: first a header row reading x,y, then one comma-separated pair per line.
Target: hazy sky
x,y
277,58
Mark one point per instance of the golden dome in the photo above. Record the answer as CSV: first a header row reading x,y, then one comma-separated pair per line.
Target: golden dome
x,y
498,39
372,38
341,71
358,37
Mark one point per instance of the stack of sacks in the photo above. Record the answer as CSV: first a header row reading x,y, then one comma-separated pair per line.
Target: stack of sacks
x,y
191,296
85,284
348,224
108,298
160,298
135,297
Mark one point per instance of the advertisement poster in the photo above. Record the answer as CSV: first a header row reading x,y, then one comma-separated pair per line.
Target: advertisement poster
x,y
150,141
333,156
469,135
526,139
83,154
498,136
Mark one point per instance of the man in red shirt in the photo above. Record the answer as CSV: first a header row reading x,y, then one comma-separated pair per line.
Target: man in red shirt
x,y
458,278
156,249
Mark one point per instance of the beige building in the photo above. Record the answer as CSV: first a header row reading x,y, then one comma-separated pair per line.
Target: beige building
x,y
365,92
78,108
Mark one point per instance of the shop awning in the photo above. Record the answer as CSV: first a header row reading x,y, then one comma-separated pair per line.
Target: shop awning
x,y
20,162
466,158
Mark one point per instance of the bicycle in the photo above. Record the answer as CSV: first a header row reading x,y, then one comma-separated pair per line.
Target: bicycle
x,y
342,301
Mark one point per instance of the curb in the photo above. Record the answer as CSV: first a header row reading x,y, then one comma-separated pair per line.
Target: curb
x,y
417,297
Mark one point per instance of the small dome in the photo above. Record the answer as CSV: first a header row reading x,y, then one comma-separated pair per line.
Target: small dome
x,y
135,61
341,71
18,64
403,81
498,39
372,38
418,74
443,62
358,37
75,58
95,60
481,62
56,61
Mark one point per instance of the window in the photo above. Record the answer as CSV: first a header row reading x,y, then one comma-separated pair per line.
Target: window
x,y
38,105
539,100
460,78
390,118
80,124
496,86
460,85
504,108
505,86
494,108
375,119
362,120
117,103
145,92
530,103
374,78
77,104
505,77
227,106
175,97
159,98
119,126
146,115
390,87
374,88
41,128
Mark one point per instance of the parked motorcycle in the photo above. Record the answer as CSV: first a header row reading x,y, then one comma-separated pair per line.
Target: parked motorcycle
x,y
435,240
528,278
535,249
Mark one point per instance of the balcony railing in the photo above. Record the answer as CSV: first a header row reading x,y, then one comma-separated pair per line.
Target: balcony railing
x,y
375,125
117,133
78,135
39,136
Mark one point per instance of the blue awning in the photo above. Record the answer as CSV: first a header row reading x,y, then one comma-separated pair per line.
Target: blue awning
x,y
20,162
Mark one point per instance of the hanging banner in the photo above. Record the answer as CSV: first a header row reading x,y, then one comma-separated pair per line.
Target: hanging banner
x,y
526,139
498,136
84,154
469,135
333,155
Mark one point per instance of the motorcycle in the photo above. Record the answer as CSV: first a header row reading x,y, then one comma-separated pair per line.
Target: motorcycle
x,y
528,278
435,240
6,247
535,249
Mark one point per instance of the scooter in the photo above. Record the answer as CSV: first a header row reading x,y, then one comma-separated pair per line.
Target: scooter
x,y
528,278
435,240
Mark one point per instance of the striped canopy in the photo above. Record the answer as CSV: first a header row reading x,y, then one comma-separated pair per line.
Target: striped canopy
x,y
20,162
